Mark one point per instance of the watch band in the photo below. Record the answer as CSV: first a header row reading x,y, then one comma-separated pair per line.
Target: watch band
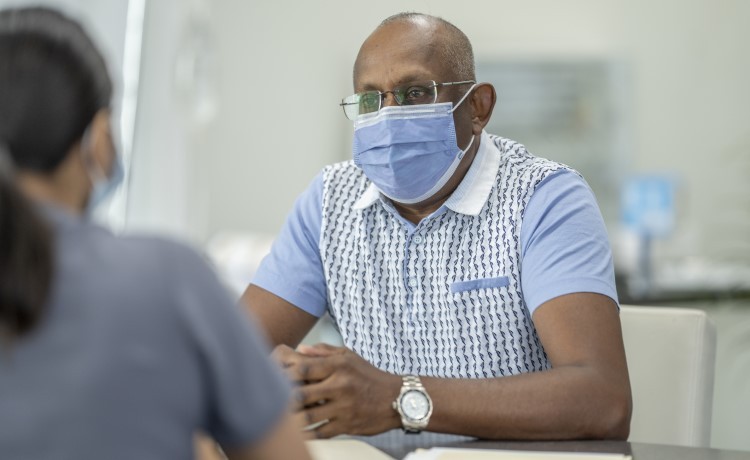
x,y
412,381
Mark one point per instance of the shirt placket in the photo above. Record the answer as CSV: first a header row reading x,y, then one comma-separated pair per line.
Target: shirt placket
x,y
411,275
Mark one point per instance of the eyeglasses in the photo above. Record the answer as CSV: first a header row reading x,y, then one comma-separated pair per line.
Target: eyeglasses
x,y
424,92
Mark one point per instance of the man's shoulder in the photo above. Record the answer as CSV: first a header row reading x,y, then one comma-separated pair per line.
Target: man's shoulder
x,y
341,173
518,153
343,184
341,168
515,155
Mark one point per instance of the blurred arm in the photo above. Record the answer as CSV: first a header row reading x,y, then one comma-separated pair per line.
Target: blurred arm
x,y
282,322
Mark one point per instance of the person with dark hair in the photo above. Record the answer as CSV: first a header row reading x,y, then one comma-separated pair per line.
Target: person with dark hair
x,y
472,282
110,347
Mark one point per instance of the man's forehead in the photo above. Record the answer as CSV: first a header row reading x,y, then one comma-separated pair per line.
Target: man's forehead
x,y
405,32
398,53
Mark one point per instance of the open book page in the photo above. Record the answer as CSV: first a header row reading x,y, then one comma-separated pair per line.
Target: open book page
x,y
344,449
437,453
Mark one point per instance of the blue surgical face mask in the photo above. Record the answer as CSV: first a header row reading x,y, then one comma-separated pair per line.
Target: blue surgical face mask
x,y
409,152
103,186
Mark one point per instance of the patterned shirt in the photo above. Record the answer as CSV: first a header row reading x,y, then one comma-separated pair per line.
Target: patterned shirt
x,y
452,296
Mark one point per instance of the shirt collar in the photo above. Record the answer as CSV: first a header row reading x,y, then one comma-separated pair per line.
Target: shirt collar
x,y
371,195
473,191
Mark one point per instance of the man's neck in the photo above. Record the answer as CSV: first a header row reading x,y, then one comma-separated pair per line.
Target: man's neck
x,y
415,214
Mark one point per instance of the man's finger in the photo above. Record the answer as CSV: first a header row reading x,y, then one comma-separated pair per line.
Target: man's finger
x,y
313,393
319,349
309,369
285,355
297,373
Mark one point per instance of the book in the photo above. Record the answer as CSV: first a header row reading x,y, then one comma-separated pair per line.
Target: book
x,y
344,449
439,453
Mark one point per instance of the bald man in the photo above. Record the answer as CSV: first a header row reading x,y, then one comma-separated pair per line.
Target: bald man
x,y
471,281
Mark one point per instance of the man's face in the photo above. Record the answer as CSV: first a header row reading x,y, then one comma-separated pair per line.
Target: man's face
x,y
407,52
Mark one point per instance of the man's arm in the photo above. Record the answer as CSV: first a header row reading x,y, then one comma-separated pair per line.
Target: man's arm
x,y
282,322
586,394
288,292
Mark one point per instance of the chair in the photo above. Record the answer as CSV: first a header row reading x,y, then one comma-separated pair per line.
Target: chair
x,y
671,355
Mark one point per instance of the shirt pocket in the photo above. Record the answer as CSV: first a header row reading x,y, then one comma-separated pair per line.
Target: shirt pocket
x,y
482,283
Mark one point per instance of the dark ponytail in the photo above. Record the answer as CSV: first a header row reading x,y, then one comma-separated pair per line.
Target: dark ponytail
x,y
25,258
53,81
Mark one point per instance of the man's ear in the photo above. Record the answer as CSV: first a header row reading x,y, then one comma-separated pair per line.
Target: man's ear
x,y
482,103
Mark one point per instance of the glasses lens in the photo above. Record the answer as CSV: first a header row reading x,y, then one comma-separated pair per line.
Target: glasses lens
x,y
369,102
416,93
351,106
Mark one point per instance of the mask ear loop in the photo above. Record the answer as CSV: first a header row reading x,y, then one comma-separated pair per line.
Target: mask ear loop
x,y
463,152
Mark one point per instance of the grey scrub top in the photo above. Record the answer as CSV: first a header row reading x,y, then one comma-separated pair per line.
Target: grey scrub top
x,y
140,346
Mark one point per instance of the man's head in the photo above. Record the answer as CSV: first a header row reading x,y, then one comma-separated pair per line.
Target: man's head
x,y
412,47
438,39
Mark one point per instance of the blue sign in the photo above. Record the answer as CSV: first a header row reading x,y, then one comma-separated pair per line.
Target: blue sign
x,y
648,205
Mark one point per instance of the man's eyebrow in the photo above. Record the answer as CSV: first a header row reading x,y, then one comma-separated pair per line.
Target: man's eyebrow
x,y
414,78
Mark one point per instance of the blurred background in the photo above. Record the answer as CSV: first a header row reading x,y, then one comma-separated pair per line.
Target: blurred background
x,y
227,109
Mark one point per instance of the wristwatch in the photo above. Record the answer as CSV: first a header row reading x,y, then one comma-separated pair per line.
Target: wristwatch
x,y
413,404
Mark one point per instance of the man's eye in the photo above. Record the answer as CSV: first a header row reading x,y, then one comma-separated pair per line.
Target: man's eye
x,y
416,93
369,102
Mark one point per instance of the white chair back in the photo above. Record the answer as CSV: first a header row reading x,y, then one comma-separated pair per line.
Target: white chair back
x,y
671,356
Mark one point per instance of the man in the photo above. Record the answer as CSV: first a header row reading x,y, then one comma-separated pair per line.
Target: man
x,y
472,282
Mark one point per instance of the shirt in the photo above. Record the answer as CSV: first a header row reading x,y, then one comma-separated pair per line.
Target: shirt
x,y
465,281
139,346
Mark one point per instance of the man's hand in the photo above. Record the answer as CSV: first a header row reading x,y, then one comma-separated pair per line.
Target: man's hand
x,y
337,385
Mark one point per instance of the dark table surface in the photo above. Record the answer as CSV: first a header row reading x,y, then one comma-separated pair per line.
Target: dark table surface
x,y
399,445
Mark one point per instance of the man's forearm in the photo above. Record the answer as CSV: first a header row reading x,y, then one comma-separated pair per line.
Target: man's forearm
x,y
573,402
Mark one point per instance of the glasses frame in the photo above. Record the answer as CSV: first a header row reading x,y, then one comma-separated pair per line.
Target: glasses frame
x,y
382,94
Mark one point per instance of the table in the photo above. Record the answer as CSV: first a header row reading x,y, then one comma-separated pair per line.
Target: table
x,y
399,447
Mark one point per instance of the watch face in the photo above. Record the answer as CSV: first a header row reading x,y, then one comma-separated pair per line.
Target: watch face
x,y
415,405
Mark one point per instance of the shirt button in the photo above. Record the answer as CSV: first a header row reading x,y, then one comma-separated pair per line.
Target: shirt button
x,y
418,239
412,282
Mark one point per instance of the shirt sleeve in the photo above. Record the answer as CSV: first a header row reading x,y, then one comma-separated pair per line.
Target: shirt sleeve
x,y
245,393
564,243
293,270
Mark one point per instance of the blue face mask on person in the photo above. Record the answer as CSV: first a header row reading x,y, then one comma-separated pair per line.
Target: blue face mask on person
x,y
409,152
103,185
